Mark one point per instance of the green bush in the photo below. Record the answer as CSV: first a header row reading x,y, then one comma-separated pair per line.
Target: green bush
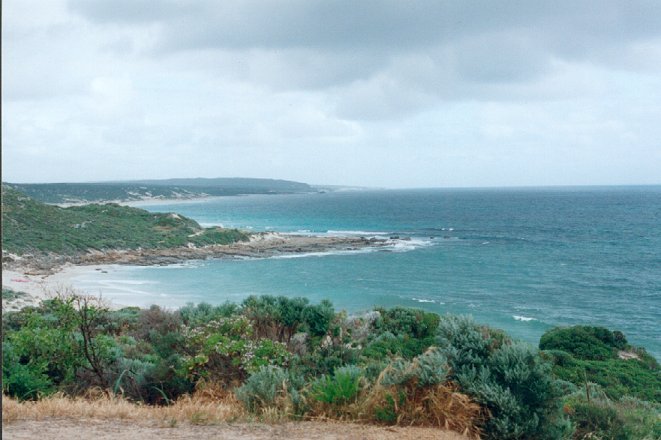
x,y
339,389
24,381
323,359
226,351
594,420
618,377
584,342
600,417
509,378
318,317
430,368
277,318
195,315
590,353
270,387
387,344
414,323
417,392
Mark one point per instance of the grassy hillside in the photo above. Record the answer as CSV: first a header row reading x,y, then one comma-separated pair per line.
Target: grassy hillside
x,y
29,226
166,189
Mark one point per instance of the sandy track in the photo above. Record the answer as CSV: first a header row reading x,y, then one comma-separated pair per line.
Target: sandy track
x,y
54,429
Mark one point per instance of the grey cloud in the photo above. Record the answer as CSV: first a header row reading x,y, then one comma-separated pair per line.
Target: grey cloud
x,y
315,44
132,11
387,24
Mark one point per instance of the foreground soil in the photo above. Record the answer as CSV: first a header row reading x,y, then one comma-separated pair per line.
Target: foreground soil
x,y
66,428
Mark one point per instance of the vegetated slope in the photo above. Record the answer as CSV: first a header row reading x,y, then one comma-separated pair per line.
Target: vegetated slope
x,y
278,358
29,226
148,189
604,357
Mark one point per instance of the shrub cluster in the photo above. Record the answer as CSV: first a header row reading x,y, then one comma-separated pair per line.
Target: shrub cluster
x,y
287,358
596,354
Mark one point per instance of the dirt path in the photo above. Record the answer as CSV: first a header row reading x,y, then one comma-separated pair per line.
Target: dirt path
x,y
55,429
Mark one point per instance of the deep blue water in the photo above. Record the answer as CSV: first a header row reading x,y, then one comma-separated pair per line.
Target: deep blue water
x,y
524,260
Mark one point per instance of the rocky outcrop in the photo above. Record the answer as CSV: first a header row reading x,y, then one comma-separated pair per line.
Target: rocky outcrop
x,y
262,245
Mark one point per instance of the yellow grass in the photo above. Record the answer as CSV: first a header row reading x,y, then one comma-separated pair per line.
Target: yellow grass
x,y
197,409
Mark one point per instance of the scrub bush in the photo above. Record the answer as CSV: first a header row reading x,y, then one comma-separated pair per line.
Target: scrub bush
x,y
600,417
584,342
510,379
416,393
338,389
270,387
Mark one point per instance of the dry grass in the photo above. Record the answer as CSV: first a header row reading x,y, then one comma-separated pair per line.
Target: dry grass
x,y
441,406
201,408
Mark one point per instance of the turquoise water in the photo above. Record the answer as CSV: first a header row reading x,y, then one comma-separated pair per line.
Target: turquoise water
x,y
523,260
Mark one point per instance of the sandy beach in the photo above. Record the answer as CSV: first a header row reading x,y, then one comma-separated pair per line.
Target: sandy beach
x,y
34,288
39,278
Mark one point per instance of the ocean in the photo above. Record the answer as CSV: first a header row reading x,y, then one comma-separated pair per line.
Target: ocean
x,y
523,260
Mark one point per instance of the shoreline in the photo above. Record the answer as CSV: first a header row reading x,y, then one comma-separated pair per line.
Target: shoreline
x,y
43,277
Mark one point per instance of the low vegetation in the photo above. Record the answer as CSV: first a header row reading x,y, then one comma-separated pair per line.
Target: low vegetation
x,y
156,189
583,354
31,227
277,358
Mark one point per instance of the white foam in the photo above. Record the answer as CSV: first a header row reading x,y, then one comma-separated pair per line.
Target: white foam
x,y
422,300
523,318
127,282
398,245
351,232
321,254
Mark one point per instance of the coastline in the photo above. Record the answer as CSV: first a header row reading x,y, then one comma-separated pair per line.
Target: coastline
x,y
43,277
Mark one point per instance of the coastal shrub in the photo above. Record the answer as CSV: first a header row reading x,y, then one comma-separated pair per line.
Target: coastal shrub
x,y
509,378
156,321
193,315
340,388
270,387
165,380
25,381
124,320
324,357
225,351
596,420
416,393
584,342
415,323
387,344
215,236
277,318
640,378
318,317
66,339
599,417
44,348
161,331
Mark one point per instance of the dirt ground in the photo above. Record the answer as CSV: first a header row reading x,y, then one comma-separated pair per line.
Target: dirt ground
x,y
55,428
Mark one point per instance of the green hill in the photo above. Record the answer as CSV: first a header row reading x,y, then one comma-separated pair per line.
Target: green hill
x,y
163,189
29,226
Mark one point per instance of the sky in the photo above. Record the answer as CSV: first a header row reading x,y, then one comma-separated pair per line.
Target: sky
x,y
369,93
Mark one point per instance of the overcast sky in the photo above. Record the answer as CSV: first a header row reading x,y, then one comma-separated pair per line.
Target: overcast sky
x,y
373,93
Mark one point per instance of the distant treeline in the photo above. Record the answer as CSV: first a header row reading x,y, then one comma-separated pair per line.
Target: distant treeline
x,y
146,189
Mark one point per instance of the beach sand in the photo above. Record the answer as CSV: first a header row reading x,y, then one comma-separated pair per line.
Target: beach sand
x,y
40,279
34,288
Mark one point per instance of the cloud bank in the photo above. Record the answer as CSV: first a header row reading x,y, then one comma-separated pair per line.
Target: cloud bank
x,y
384,93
